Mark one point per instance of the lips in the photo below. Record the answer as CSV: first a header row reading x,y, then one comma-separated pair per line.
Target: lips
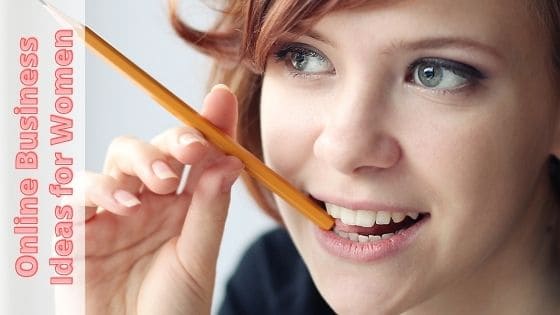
x,y
361,225
367,231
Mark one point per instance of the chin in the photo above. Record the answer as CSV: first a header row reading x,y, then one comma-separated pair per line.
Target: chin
x,y
356,303
349,293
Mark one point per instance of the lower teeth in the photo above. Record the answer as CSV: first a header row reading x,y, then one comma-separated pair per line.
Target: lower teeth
x,y
365,238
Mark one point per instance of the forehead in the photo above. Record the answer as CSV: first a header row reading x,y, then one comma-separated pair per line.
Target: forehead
x,y
507,16
510,26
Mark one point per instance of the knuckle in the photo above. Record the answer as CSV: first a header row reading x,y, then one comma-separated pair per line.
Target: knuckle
x,y
178,130
169,135
187,130
121,142
94,181
123,139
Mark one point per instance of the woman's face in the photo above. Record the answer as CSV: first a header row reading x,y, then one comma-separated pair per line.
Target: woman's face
x,y
442,108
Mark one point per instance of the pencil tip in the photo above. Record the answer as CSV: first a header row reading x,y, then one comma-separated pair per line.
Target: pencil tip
x,y
60,16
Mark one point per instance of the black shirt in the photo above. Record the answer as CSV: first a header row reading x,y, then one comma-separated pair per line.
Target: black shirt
x,y
272,279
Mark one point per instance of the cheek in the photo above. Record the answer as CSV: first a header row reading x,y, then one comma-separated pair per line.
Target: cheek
x,y
495,160
462,160
288,129
480,170
484,148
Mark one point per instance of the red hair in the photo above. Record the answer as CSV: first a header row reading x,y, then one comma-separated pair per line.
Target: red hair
x,y
240,42
246,32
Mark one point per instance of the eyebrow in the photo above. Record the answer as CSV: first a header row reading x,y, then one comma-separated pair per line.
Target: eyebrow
x,y
426,43
443,42
317,36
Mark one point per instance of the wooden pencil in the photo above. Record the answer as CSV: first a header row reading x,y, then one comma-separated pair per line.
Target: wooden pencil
x,y
189,116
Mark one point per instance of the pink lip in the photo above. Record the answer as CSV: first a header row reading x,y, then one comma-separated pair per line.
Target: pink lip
x,y
363,205
370,251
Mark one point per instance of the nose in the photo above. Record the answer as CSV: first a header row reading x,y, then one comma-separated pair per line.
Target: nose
x,y
354,139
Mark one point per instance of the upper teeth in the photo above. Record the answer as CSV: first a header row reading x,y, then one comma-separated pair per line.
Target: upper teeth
x,y
366,218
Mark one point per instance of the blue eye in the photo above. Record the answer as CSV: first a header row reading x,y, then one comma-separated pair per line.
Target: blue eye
x,y
442,74
301,59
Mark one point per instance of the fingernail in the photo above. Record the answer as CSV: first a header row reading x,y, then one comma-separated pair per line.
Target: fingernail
x,y
162,170
126,199
220,86
189,138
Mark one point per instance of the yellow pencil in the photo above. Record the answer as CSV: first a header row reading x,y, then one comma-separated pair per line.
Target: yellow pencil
x,y
189,116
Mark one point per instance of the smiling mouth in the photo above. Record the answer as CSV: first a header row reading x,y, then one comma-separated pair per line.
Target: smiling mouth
x,y
369,225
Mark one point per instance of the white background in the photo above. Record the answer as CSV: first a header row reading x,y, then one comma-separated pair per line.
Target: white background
x,y
140,30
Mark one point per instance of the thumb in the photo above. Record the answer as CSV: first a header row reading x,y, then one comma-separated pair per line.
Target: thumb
x,y
199,242
220,107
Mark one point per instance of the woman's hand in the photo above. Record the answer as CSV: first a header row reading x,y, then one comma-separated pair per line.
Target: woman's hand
x,y
150,250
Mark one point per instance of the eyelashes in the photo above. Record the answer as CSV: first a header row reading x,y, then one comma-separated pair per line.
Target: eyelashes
x,y
303,60
443,75
434,74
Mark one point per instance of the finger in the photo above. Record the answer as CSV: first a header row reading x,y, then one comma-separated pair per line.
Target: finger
x,y
134,163
184,144
220,107
196,170
199,242
103,191
188,145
